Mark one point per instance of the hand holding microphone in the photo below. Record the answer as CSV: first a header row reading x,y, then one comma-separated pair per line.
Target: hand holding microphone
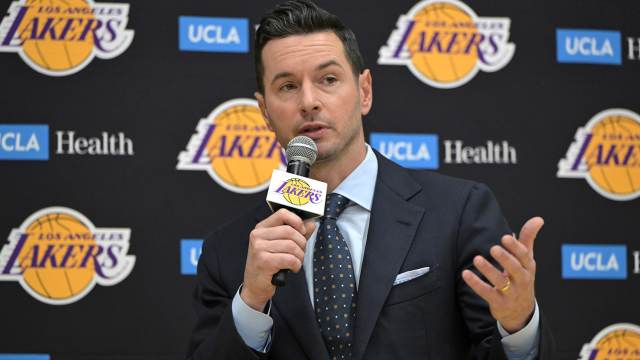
x,y
277,244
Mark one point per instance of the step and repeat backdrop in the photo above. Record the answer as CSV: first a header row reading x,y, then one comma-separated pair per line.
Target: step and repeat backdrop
x,y
128,131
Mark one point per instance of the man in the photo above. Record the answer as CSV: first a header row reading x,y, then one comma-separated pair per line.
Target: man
x,y
385,273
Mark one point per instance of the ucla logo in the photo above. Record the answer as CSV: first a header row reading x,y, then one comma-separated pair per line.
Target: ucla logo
x,y
61,37
190,251
444,43
595,261
299,192
213,34
618,341
24,142
584,46
606,152
58,256
235,147
417,151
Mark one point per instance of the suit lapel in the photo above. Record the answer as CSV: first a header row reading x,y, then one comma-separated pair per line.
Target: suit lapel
x,y
293,303
294,306
392,228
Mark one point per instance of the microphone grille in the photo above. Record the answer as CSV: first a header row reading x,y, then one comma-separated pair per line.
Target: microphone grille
x,y
302,148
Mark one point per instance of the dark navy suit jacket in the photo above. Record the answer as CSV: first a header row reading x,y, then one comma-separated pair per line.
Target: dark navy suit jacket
x,y
418,219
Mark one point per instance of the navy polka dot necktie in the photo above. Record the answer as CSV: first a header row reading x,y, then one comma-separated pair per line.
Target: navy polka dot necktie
x,y
334,282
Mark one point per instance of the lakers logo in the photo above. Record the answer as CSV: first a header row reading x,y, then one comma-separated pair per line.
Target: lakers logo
x,y
444,43
298,192
618,341
235,146
61,37
58,256
606,152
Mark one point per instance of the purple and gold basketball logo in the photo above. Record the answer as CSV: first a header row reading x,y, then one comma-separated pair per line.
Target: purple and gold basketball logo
x,y
58,256
606,153
299,192
444,43
618,341
235,147
61,37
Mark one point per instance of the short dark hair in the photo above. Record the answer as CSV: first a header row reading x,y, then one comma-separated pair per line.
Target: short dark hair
x,y
298,17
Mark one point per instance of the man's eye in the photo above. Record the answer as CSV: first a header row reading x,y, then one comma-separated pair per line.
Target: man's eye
x,y
288,87
330,80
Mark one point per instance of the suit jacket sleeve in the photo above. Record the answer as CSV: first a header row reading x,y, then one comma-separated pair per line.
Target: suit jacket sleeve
x,y
482,225
215,335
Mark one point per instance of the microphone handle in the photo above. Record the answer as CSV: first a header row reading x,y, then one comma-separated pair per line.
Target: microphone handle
x,y
301,168
298,167
279,279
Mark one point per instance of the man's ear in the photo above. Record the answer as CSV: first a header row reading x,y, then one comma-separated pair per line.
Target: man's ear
x,y
263,108
366,91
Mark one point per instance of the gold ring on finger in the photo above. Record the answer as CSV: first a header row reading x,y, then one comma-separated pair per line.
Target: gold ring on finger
x,y
506,287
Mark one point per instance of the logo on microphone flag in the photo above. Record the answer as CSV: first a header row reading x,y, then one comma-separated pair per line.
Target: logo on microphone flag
x,y
298,192
235,147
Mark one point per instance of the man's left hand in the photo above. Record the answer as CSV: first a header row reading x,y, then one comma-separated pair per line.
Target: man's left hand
x,y
510,293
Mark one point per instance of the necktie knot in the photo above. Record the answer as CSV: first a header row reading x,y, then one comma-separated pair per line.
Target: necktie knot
x,y
335,205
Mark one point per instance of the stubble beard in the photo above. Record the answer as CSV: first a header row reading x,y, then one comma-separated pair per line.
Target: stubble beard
x,y
335,151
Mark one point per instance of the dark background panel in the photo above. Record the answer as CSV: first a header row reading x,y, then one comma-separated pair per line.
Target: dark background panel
x,y
156,95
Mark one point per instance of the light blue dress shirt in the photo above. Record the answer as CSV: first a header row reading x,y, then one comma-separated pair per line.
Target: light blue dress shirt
x,y
255,327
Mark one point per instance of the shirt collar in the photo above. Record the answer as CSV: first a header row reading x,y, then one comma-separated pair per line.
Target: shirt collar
x,y
359,185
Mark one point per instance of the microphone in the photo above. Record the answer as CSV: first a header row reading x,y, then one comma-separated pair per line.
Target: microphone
x,y
301,153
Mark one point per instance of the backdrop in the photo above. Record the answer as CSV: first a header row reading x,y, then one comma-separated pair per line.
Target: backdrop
x,y
127,133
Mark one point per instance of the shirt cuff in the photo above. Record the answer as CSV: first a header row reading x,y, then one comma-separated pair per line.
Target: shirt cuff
x,y
253,326
522,344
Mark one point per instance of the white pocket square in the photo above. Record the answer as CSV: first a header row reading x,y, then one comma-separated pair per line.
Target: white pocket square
x,y
410,275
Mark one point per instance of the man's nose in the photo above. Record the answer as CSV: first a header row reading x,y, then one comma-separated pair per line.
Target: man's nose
x,y
309,101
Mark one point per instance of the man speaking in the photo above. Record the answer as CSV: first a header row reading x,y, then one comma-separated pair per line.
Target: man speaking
x,y
403,265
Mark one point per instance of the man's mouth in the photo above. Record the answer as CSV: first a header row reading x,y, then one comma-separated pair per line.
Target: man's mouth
x,y
313,131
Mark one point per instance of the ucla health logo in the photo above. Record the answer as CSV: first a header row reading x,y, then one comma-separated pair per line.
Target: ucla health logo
x,y
594,261
59,38
585,46
58,256
24,142
235,147
31,142
444,43
213,34
417,151
606,153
